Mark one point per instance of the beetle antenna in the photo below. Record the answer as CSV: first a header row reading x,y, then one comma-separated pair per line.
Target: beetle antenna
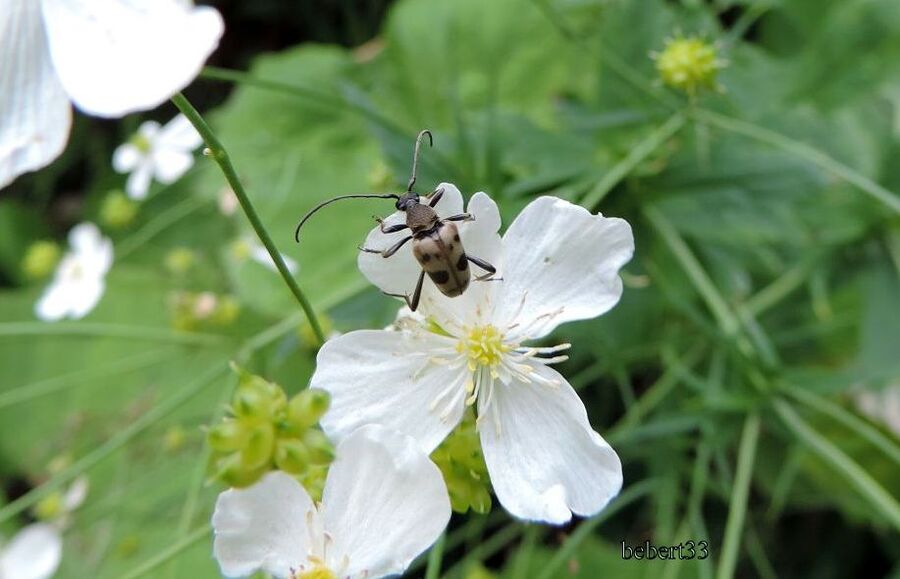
x,y
412,180
338,198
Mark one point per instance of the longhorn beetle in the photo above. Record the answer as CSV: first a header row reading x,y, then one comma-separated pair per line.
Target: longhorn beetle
x,y
436,244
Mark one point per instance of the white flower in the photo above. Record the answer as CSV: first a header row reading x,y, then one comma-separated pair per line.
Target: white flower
x,y
228,201
881,405
33,553
384,503
164,153
108,57
252,248
80,276
558,263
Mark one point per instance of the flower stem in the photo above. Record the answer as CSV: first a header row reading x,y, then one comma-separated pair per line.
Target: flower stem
x,y
220,155
737,510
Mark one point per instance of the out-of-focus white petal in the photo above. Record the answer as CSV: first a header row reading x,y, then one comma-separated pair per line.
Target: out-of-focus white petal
x,y
53,304
263,527
35,115
480,238
126,157
34,553
179,135
398,274
119,56
564,262
381,377
260,255
545,461
170,165
385,502
138,183
85,238
85,295
76,494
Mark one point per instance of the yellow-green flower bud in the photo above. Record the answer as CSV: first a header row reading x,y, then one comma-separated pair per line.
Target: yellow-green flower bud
x,y
50,507
233,473
462,463
308,337
292,456
174,438
227,311
40,259
478,571
313,480
688,64
179,260
306,408
117,210
227,436
258,399
257,453
321,451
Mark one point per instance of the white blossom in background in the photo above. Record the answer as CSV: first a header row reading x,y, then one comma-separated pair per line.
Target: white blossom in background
x,y
33,553
250,247
384,502
228,201
164,153
558,263
80,277
881,405
108,57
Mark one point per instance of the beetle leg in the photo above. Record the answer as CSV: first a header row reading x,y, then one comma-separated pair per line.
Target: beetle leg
x,y
490,269
435,197
460,217
417,293
391,228
389,251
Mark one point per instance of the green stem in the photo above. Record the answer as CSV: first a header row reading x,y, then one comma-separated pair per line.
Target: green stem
x,y
168,553
637,155
881,501
100,330
737,509
434,558
220,155
803,151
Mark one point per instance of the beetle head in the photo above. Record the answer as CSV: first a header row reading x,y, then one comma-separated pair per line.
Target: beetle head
x,y
407,200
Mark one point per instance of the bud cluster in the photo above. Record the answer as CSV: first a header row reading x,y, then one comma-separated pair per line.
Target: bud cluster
x,y
688,64
265,431
117,211
193,310
462,463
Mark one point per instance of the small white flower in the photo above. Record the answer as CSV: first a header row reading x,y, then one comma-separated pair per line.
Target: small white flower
x,y
108,57
228,201
252,248
164,153
80,276
33,553
558,263
384,503
881,405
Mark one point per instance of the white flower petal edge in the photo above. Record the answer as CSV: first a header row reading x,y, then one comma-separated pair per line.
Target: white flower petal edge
x,y
378,377
117,56
560,263
263,527
545,461
35,116
385,502
33,553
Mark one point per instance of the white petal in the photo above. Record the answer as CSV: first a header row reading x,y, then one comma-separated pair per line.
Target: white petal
x,y
260,255
564,262
546,462
481,239
54,303
76,494
263,527
170,165
179,135
382,377
119,56
126,157
399,273
385,502
34,553
85,238
35,115
85,295
93,251
138,183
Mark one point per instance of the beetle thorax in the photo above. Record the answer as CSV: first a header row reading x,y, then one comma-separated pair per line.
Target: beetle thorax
x,y
420,217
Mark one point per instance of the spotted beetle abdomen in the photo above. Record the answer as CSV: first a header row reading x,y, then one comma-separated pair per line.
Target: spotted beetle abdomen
x,y
441,254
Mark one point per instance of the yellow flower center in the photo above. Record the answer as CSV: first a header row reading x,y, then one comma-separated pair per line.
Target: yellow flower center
x,y
483,345
318,572
142,143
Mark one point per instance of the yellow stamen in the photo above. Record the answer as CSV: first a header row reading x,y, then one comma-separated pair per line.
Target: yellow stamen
x,y
483,345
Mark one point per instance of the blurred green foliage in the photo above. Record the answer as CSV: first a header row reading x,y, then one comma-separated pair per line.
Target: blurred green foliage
x,y
765,285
